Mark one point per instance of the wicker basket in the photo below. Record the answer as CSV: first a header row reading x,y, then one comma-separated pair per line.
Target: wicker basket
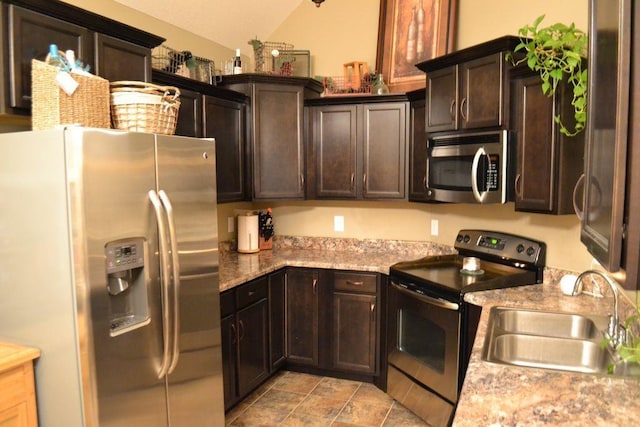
x,y
51,106
144,107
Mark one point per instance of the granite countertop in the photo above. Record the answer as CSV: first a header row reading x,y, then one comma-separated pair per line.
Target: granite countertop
x,y
500,395
492,394
337,254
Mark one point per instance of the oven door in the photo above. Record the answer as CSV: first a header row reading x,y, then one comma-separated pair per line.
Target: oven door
x,y
424,339
469,169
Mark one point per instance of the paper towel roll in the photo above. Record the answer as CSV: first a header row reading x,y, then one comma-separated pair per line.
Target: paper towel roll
x,y
248,233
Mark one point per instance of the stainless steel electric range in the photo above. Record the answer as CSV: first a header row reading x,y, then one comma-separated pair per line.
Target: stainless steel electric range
x,y
431,328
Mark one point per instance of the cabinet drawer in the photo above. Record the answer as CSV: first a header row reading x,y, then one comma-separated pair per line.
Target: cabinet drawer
x,y
355,282
251,292
227,303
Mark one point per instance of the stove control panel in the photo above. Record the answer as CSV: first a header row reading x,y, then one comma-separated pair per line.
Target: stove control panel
x,y
502,245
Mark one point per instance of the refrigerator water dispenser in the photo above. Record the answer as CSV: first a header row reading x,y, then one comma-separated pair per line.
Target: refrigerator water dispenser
x,y
126,285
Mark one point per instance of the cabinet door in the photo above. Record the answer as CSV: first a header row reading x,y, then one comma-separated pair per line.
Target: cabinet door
x,y
334,138
549,163
225,121
481,82
120,60
354,332
417,153
384,150
534,181
442,99
229,363
190,114
253,343
278,150
30,35
302,316
276,320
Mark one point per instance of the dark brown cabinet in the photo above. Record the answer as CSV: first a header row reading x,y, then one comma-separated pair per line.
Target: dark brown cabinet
x,y
224,120
190,114
355,322
121,60
276,133
245,339
468,89
213,112
30,35
302,308
113,50
549,163
347,302
277,350
417,150
359,151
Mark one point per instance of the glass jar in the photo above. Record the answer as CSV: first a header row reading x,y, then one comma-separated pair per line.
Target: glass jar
x,y
379,87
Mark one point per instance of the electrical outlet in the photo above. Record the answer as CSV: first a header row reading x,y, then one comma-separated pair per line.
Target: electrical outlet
x,y
434,227
230,224
338,223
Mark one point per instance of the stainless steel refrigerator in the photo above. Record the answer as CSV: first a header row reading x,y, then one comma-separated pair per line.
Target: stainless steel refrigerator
x,y
109,265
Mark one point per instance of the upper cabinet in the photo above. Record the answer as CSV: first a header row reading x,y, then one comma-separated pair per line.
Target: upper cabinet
x,y
611,210
468,89
276,133
549,163
358,148
113,50
214,112
417,147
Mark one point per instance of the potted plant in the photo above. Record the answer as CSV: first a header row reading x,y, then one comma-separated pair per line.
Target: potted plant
x,y
557,52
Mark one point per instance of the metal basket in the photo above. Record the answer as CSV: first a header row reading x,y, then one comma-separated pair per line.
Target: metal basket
x,y
264,57
183,63
344,86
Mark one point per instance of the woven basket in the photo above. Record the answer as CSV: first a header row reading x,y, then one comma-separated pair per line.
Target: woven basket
x,y
51,106
144,107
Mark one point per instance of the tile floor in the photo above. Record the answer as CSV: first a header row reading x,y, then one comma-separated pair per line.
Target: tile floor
x,y
295,399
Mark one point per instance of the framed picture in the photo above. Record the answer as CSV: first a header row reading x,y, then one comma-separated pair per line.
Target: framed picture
x,y
410,32
298,62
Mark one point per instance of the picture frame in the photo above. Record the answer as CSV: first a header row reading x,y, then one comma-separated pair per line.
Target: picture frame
x,y
300,61
400,46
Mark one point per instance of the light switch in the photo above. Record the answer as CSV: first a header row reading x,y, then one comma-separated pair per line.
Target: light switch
x,y
230,224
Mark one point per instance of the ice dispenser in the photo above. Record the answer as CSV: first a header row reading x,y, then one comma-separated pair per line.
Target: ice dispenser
x,y
126,285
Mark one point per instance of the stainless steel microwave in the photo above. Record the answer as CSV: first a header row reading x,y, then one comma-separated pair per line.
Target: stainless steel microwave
x,y
470,167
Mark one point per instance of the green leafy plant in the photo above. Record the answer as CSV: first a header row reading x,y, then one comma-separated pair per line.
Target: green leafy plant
x,y
556,52
629,351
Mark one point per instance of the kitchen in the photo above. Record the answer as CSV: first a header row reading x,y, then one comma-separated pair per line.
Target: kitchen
x,y
401,220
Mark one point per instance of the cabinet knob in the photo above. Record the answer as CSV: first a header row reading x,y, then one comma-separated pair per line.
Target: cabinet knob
x,y
353,179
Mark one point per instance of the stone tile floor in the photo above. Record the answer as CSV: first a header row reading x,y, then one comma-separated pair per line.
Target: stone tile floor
x,y
295,399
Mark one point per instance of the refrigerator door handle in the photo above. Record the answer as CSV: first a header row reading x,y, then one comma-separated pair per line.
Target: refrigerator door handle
x,y
164,278
175,264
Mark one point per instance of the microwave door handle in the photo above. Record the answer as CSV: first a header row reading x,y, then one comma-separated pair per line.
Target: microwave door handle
x,y
164,283
474,175
438,302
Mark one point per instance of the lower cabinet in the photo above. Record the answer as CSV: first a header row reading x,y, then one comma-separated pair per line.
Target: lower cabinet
x,y
332,320
315,320
354,322
303,309
245,339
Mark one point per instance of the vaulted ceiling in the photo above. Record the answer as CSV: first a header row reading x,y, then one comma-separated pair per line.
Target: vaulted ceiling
x,y
228,22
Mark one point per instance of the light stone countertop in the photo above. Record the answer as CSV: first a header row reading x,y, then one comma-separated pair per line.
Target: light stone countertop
x,y
501,395
318,252
492,394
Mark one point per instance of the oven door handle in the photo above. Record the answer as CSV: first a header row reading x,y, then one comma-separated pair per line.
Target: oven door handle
x,y
474,175
439,302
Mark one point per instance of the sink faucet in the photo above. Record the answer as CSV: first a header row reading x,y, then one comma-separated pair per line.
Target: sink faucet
x,y
616,332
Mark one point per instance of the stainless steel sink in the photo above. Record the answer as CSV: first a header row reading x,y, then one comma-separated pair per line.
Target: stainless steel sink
x,y
561,341
561,325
